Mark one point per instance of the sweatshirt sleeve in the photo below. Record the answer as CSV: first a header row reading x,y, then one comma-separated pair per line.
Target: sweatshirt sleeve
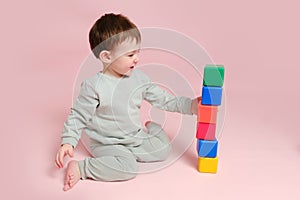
x,y
161,99
83,109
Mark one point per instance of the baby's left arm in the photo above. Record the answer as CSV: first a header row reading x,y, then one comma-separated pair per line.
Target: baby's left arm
x,y
161,99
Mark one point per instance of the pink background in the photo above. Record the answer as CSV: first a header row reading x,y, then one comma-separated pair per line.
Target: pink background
x,y
43,44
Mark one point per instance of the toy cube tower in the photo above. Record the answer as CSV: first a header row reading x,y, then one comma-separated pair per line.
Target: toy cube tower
x,y
207,143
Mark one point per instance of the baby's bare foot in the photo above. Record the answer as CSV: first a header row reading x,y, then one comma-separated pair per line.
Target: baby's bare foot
x,y
72,175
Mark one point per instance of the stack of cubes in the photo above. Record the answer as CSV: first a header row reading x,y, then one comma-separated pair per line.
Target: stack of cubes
x,y
207,143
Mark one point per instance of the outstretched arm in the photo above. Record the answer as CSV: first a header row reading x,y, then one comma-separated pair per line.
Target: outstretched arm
x,y
161,99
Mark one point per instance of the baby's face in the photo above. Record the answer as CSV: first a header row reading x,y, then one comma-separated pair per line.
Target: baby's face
x,y
124,58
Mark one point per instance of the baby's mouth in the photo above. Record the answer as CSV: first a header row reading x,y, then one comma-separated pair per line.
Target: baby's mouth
x,y
131,67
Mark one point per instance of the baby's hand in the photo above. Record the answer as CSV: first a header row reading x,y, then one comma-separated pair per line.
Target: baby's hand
x,y
65,149
195,103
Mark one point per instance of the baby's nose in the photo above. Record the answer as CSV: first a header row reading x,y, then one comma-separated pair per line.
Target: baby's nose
x,y
136,59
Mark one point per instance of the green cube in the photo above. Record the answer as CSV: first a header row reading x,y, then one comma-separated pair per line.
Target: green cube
x,y
213,75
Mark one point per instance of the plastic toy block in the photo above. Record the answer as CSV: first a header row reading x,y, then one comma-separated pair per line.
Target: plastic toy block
x,y
206,131
208,165
211,96
207,114
213,75
206,148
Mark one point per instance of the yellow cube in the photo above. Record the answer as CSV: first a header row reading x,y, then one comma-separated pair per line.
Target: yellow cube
x,y
208,165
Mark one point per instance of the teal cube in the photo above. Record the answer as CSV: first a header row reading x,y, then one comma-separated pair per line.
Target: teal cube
x,y
213,75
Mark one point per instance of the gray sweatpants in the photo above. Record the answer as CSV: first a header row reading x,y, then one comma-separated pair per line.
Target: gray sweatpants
x,y
119,162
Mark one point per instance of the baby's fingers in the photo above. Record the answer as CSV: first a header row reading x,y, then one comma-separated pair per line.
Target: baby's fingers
x,y
57,161
70,152
60,158
199,99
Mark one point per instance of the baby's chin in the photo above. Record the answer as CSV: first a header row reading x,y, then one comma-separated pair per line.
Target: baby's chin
x,y
129,72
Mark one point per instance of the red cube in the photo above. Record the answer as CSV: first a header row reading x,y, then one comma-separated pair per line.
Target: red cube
x,y
206,131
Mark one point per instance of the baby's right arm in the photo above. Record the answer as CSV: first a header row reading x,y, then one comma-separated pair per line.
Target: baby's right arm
x,y
82,111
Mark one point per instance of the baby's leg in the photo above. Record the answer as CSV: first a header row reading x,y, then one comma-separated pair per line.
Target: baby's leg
x,y
111,163
156,144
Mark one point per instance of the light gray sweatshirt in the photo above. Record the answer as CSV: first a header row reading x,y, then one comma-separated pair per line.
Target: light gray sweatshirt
x,y
108,108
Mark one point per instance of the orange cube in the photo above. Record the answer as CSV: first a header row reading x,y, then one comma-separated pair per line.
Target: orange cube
x,y
207,114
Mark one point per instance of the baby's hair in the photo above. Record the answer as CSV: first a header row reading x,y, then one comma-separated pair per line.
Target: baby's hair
x,y
111,30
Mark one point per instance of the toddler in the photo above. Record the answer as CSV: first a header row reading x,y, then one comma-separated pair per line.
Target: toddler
x,y
108,107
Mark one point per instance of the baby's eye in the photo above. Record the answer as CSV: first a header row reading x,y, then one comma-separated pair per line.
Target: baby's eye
x,y
130,55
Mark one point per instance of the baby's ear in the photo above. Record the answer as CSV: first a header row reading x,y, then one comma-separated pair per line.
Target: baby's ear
x,y
105,56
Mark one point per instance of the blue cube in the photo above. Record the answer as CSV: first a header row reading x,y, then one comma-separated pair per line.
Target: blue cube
x,y
207,148
211,96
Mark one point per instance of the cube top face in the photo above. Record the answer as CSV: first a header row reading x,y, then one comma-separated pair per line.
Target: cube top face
x,y
213,75
207,114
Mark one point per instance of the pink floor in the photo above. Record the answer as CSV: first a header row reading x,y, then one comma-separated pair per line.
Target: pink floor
x,y
43,44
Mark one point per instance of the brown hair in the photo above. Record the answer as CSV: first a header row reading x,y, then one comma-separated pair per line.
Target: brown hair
x,y
111,30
